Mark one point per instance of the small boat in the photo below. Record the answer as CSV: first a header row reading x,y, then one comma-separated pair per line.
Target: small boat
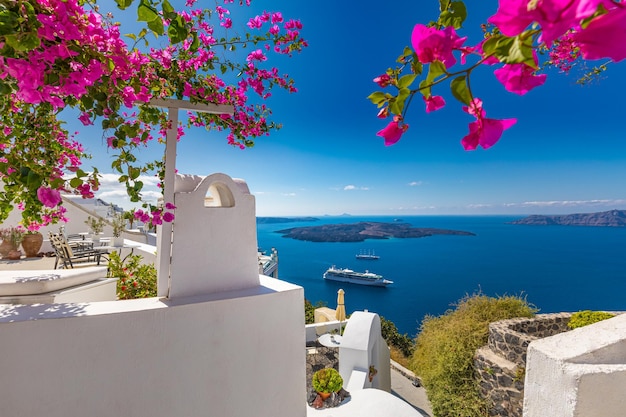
x,y
369,256
362,278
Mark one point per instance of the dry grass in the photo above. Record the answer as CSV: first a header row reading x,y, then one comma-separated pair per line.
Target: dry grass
x,y
396,355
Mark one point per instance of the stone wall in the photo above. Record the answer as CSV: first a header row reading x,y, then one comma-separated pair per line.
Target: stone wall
x,y
501,364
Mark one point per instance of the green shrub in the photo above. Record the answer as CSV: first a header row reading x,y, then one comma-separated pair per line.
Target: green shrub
x,y
392,336
327,380
309,311
583,318
135,280
445,348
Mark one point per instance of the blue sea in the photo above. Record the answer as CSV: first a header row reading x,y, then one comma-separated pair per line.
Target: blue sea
x,y
557,268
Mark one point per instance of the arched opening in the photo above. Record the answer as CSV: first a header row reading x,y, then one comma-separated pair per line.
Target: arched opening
x,y
219,195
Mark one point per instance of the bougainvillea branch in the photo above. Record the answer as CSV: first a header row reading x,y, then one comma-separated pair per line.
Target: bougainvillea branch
x,y
59,54
564,31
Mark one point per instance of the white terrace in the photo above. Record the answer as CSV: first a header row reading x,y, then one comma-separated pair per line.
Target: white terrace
x,y
222,340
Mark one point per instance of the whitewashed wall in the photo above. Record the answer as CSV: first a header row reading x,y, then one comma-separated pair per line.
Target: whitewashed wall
x,y
578,373
232,354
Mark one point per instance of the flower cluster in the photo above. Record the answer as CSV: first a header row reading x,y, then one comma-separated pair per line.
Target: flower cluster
x,y
134,279
58,54
566,29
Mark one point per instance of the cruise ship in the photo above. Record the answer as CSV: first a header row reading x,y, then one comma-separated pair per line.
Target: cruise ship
x,y
362,278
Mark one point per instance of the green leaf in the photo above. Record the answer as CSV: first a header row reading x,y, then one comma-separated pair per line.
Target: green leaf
x,y
454,15
87,101
196,42
177,30
8,22
406,80
123,4
156,26
425,88
23,41
417,67
377,97
34,180
167,8
76,182
146,13
489,46
515,50
5,88
460,90
134,172
435,69
396,105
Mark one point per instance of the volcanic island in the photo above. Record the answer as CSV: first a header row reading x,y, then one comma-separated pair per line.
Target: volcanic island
x,y
359,232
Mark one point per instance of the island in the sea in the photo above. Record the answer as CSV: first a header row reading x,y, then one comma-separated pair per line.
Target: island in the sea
x,y
358,232
612,218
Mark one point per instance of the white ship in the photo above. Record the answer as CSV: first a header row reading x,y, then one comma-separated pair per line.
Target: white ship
x,y
370,256
362,278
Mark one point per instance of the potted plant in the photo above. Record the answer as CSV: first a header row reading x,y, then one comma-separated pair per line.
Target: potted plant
x,y
130,216
326,381
31,243
119,225
96,225
11,240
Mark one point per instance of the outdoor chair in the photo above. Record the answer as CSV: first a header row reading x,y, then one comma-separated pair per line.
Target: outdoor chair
x,y
68,255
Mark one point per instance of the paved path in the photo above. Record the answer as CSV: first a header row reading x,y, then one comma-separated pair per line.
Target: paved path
x,y
403,387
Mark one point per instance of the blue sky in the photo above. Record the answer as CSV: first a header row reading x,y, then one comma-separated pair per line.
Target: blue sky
x,y
566,154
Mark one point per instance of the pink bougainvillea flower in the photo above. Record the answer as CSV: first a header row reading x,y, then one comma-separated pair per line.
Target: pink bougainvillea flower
x,y
48,196
475,108
605,37
383,113
555,16
431,44
393,131
434,103
168,217
519,78
383,80
485,132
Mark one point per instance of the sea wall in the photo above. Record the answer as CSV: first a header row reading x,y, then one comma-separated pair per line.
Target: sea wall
x,y
501,364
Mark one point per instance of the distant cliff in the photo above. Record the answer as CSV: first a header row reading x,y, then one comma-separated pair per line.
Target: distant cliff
x,y
270,220
358,232
613,218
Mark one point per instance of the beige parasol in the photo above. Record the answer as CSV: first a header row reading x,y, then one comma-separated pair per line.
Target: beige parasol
x,y
340,312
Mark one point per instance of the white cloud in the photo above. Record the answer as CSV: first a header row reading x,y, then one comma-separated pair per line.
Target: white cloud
x,y
289,194
112,191
112,180
415,183
354,187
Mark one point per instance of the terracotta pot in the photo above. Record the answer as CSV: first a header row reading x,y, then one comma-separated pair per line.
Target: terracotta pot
x,y
31,243
5,247
324,395
14,255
